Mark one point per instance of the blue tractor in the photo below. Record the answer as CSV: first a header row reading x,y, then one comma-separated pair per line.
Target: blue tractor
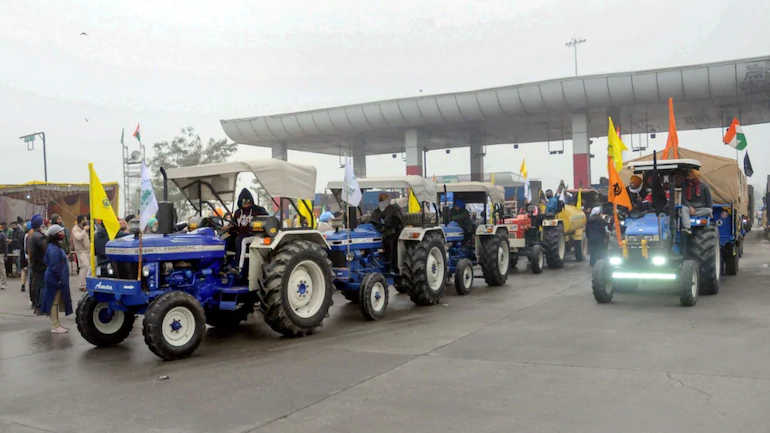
x,y
661,240
369,257
180,281
476,234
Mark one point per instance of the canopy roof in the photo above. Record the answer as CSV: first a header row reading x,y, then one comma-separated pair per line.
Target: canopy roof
x,y
496,192
424,189
723,175
278,178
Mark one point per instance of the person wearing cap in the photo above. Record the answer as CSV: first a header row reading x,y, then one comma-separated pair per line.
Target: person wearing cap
x,y
324,221
635,193
55,295
36,247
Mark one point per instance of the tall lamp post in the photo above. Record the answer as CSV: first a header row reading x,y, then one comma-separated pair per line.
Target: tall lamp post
x,y
29,139
573,43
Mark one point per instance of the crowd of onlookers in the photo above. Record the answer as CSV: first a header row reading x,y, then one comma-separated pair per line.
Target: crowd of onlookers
x,y
45,253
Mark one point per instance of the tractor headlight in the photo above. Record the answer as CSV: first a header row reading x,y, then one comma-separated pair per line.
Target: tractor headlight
x,y
145,271
658,260
616,261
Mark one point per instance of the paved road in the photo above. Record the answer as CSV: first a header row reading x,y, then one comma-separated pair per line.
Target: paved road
x,y
538,355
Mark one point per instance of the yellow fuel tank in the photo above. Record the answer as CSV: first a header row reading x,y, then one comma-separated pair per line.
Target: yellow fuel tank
x,y
574,221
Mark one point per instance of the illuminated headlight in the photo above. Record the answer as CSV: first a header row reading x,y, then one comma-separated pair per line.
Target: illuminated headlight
x,y
616,261
146,271
658,260
110,271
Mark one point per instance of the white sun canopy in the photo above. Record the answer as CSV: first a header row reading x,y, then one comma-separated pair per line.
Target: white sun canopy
x,y
424,189
664,164
278,178
496,192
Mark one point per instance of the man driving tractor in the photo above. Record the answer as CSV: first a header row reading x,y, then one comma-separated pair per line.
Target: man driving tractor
x,y
241,221
388,220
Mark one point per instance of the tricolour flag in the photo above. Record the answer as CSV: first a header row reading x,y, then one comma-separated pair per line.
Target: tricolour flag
x,y
148,205
136,134
734,136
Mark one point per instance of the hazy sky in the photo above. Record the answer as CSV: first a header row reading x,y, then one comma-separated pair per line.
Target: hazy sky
x,y
174,64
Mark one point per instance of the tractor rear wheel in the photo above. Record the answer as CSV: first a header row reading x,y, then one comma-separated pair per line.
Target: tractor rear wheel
x,y
374,296
706,251
174,325
731,259
554,245
495,259
425,270
464,277
298,288
100,325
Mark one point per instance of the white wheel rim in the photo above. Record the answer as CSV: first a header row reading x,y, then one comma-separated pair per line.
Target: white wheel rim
x,y
105,320
307,287
434,267
562,247
467,276
377,297
503,258
717,262
178,326
540,260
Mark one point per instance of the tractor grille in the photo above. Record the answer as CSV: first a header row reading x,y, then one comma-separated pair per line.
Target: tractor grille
x,y
338,259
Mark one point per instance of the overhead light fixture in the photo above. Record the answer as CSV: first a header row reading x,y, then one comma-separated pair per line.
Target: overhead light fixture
x,y
394,156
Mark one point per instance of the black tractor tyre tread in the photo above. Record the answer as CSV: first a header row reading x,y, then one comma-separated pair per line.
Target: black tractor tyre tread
x,y
415,275
703,248
460,288
537,268
153,323
686,299
400,284
488,260
87,329
365,293
276,312
599,277
731,260
551,237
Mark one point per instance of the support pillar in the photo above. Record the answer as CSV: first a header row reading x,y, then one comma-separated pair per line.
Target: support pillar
x,y
359,164
581,152
280,151
476,140
413,146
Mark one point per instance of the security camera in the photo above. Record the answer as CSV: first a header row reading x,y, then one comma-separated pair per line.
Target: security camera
x,y
394,156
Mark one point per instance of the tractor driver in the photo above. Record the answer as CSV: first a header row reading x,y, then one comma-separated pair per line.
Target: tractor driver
x,y
462,217
241,222
696,194
388,220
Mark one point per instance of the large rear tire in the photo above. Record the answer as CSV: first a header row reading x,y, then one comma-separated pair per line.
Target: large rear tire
x,y
731,259
601,283
298,288
174,325
706,251
425,270
495,260
554,245
689,280
100,325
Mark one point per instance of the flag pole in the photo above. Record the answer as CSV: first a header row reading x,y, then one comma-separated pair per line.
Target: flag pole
x,y
139,270
92,257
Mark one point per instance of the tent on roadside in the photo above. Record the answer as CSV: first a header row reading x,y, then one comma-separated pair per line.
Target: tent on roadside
x,y
723,175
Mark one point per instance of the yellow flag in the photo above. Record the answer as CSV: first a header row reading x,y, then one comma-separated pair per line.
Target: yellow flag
x,y
101,209
615,146
579,203
492,178
523,168
306,210
414,205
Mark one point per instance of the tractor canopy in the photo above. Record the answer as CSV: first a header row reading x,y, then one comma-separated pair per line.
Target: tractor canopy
x,y
495,192
424,190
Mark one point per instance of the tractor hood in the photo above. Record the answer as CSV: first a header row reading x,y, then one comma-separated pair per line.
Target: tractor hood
x,y
645,226
198,244
363,236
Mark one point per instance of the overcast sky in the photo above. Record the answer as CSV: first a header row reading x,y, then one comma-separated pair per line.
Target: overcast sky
x,y
169,65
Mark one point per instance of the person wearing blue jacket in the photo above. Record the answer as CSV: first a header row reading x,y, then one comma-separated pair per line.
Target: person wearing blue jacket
x,y
56,291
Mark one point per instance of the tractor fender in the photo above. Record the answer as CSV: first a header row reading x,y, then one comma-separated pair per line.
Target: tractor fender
x,y
259,250
413,234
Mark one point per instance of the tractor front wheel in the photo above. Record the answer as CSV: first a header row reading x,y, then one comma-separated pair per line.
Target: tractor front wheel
x,y
537,259
601,282
706,251
100,325
689,280
174,325
464,277
374,296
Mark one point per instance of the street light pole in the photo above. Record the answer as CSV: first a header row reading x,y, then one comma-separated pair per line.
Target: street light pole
x,y
30,138
573,43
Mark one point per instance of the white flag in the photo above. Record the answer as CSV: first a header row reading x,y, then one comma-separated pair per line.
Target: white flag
x,y
148,205
527,191
351,193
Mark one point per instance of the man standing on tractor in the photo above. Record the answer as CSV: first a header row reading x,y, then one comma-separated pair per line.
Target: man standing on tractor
x,y
553,202
388,220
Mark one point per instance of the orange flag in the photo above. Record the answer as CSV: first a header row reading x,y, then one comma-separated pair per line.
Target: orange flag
x,y
616,193
672,142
